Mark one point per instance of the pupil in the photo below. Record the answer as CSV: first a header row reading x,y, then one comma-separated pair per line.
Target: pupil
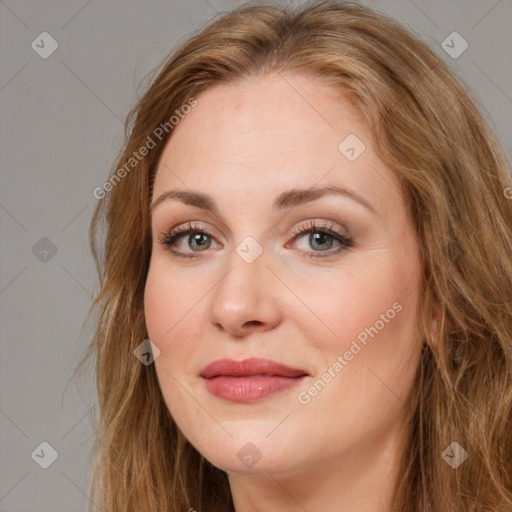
x,y
197,239
319,238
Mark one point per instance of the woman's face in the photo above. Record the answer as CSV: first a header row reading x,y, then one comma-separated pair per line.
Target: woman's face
x,y
336,301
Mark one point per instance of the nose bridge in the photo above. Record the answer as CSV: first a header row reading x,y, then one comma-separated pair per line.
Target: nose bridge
x,y
242,297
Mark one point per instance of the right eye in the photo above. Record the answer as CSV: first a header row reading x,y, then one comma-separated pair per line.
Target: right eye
x,y
199,239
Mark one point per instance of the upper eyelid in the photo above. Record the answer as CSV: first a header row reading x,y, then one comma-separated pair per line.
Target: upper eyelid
x,y
302,229
316,209
320,223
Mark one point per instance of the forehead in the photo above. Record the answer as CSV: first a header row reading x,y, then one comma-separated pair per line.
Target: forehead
x,y
270,111
269,134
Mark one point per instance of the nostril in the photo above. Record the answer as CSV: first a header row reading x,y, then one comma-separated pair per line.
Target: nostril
x,y
252,322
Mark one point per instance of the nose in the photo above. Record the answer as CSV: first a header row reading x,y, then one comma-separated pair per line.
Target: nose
x,y
246,299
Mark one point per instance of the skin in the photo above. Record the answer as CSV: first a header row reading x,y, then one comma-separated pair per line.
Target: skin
x,y
245,144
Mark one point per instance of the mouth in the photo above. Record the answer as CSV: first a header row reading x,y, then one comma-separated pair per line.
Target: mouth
x,y
250,380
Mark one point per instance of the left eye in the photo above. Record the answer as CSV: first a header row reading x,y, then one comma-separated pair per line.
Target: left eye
x,y
321,239
318,235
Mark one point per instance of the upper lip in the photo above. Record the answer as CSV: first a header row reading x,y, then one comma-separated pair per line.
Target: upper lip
x,y
253,366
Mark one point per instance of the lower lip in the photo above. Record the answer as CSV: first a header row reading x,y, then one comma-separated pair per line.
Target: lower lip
x,y
251,388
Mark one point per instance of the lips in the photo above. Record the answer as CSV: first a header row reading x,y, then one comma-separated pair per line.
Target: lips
x,y
247,367
249,380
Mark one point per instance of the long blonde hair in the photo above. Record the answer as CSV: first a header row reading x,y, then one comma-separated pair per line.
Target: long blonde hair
x,y
454,175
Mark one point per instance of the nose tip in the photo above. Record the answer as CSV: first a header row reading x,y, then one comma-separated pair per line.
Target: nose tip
x,y
233,323
242,301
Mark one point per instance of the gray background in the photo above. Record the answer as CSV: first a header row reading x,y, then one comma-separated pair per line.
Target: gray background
x,y
60,128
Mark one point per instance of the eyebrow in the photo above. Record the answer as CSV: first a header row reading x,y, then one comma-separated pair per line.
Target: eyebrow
x,y
283,201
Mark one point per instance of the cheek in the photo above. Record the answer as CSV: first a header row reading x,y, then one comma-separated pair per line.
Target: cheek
x,y
374,325
156,297
342,306
174,314
368,317
166,300
169,320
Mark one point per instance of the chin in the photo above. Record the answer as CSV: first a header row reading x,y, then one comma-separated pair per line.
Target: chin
x,y
250,452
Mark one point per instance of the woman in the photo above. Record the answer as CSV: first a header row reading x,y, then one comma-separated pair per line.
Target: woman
x,y
310,221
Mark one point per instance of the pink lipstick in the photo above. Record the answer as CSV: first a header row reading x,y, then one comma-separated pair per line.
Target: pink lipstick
x,y
249,380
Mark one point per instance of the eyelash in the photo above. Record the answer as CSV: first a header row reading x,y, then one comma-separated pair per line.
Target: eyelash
x,y
167,239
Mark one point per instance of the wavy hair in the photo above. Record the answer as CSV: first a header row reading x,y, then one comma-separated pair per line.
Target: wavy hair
x,y
427,128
